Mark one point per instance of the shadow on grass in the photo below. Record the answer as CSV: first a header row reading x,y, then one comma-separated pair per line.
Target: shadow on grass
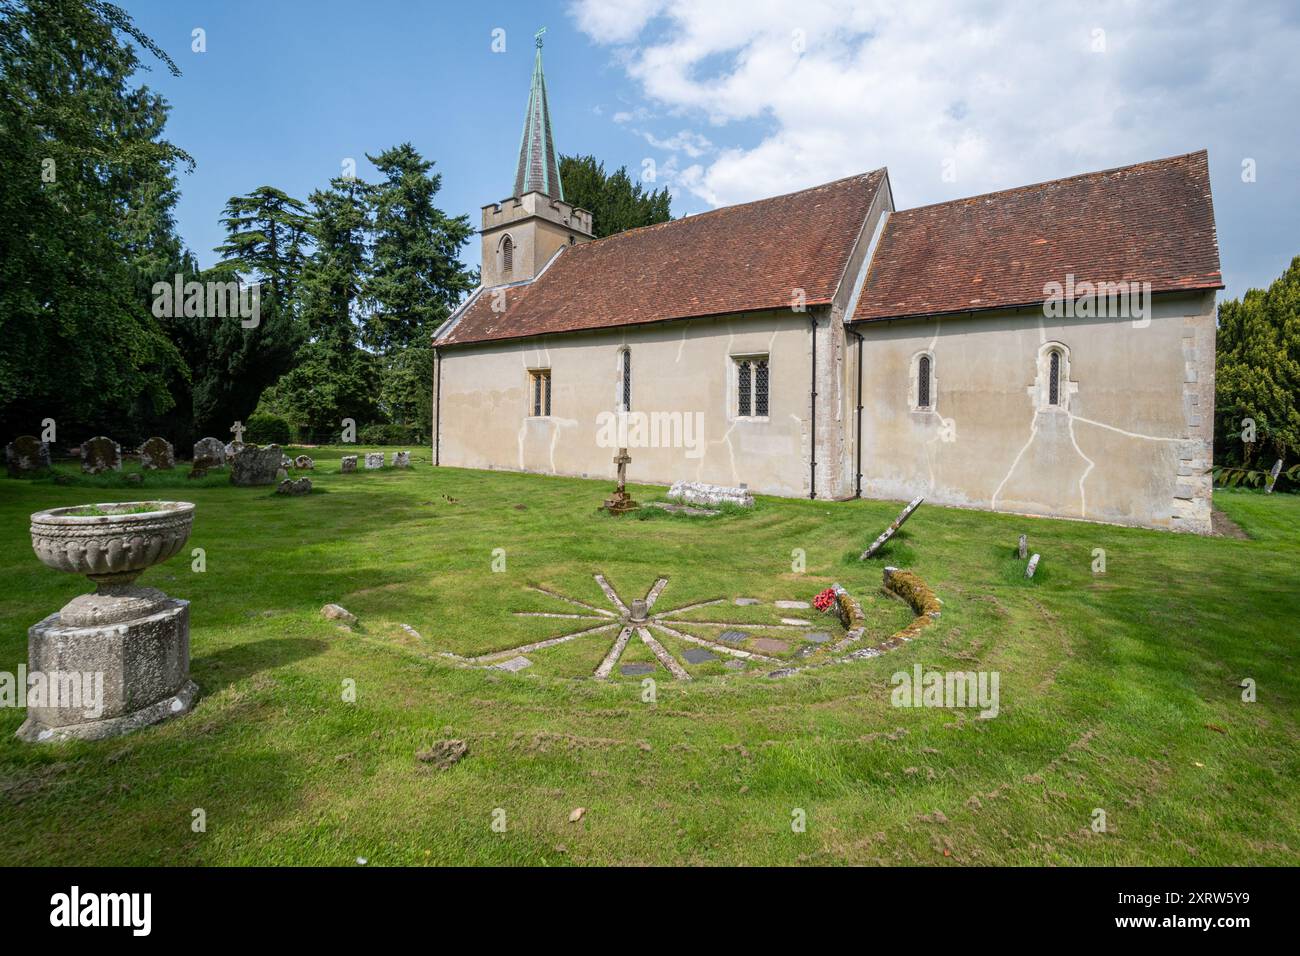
x,y
217,671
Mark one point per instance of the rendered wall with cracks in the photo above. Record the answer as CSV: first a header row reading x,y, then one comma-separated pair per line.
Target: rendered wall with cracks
x,y
685,367
1128,447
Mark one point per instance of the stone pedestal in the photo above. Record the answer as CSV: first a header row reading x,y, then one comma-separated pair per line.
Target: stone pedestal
x,y
137,667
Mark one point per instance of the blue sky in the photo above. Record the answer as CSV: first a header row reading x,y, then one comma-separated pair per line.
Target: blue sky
x,y
734,102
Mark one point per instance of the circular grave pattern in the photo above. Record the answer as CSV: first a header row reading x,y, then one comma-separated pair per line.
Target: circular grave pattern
x,y
736,645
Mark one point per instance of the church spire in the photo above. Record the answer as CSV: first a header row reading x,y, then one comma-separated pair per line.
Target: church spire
x,y
539,167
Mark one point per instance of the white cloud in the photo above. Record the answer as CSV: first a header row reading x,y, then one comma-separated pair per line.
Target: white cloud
x,y
1010,93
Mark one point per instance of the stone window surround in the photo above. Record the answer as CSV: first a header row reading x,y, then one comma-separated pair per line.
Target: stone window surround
x,y
1040,391
733,386
535,373
914,383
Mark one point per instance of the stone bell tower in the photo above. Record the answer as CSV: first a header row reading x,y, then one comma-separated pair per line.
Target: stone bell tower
x,y
520,234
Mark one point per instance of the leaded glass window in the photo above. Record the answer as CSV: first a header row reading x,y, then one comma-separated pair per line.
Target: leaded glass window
x,y
627,379
752,387
1054,380
923,382
540,381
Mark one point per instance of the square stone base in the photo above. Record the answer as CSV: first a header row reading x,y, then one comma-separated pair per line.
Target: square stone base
x,y
143,664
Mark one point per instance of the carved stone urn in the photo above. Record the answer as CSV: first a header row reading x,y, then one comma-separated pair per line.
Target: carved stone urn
x,y
118,659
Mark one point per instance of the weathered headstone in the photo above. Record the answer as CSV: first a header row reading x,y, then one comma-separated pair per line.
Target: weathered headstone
x,y
620,501
209,453
1024,546
255,466
374,459
294,486
348,464
100,454
1272,476
1032,567
893,528
157,454
27,455
304,463
703,493
401,459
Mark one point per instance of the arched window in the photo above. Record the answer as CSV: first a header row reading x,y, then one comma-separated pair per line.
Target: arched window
x,y
1054,378
507,255
625,379
923,382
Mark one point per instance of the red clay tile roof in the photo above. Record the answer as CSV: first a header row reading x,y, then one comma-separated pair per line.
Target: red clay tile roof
x,y
735,259
1153,222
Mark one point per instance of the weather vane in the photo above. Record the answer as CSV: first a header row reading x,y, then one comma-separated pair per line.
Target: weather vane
x,y
538,37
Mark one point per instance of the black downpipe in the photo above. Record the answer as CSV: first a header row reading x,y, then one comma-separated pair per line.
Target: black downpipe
x,y
437,410
812,456
857,442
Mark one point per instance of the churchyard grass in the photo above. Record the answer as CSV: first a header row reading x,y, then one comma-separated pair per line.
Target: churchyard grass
x,y
1119,691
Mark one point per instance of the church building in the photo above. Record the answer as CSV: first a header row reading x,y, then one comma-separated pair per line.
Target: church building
x,y
1044,350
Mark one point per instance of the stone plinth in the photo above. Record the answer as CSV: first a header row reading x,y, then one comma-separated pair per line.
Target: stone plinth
x,y
130,673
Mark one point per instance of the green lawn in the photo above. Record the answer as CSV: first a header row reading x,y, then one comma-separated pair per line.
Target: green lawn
x,y
1118,691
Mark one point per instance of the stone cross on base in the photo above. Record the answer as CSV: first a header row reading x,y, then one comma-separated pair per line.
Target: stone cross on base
x,y
237,430
621,501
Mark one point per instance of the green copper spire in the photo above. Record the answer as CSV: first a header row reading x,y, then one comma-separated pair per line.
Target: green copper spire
x,y
539,167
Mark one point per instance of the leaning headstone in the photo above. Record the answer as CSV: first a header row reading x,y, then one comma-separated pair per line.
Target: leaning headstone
x,y
893,528
100,454
401,459
255,466
703,493
374,459
27,455
209,453
349,464
1033,566
1024,546
294,486
157,454
1272,476
304,463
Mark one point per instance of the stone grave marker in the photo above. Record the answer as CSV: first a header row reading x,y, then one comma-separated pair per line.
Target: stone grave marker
x,y
698,655
374,459
157,454
100,454
1272,476
348,464
26,456
209,453
620,501
1024,547
256,466
304,463
771,645
401,459
294,486
636,670
893,528
514,665
733,637
703,493
1033,566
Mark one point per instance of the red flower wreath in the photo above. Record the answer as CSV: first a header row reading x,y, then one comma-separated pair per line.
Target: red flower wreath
x,y
825,601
